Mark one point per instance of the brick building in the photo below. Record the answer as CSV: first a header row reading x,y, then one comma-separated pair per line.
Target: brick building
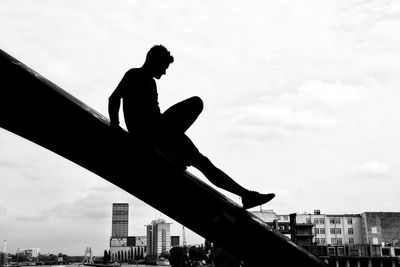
x,y
381,228
368,228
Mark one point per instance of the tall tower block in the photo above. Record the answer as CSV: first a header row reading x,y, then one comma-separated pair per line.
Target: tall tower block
x,y
120,217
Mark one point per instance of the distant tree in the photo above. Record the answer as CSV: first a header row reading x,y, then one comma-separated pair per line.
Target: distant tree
x,y
197,254
165,255
151,259
209,250
20,257
53,257
224,259
105,257
42,257
178,257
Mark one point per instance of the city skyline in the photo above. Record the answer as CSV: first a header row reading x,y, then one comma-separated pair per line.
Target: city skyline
x,y
301,99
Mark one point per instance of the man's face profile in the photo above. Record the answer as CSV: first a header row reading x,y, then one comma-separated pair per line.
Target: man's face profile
x,y
160,69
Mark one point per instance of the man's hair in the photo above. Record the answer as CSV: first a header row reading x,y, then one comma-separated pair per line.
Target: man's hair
x,y
159,54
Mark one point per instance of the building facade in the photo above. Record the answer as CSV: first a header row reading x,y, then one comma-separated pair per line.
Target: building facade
x,y
381,228
124,248
30,252
366,239
368,228
158,237
3,259
338,229
120,218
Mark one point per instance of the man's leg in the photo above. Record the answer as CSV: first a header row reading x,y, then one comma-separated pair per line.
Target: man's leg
x,y
250,199
174,123
216,176
176,120
179,117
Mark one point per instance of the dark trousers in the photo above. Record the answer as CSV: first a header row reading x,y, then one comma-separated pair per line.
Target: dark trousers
x,y
171,138
175,121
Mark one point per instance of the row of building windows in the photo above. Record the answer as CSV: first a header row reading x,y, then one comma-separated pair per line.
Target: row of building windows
x,y
331,221
333,231
283,217
319,220
334,241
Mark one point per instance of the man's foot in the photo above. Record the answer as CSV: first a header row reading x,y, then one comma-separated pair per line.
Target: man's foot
x,y
253,199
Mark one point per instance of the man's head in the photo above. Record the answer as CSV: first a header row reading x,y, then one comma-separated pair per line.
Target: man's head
x,y
157,60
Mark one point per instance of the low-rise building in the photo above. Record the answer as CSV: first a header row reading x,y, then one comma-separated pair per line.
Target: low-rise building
x,y
366,239
30,252
381,228
3,259
372,228
128,249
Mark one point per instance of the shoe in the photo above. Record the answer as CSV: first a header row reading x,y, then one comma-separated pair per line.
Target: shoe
x,y
253,199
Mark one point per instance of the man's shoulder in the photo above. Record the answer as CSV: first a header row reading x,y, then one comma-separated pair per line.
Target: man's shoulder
x,y
133,72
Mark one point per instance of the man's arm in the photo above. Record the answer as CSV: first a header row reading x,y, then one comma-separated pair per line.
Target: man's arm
x,y
114,103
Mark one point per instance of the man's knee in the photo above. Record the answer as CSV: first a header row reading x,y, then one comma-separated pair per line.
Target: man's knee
x,y
196,103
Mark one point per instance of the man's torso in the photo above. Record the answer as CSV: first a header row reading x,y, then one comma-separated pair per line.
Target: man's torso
x,y
140,101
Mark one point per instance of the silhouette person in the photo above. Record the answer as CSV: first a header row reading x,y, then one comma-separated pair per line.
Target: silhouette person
x,y
166,131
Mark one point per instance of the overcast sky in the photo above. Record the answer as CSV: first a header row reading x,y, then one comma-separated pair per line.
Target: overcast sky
x,y
301,99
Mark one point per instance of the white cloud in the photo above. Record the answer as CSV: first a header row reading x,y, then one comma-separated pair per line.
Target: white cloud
x,y
373,169
264,121
311,107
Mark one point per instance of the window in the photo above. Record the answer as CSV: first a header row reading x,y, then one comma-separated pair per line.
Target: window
x,y
374,230
308,220
332,220
321,221
317,241
375,241
333,241
331,251
322,231
397,251
339,241
285,217
337,220
351,241
315,220
338,231
350,231
349,220
332,230
385,252
316,231
322,240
